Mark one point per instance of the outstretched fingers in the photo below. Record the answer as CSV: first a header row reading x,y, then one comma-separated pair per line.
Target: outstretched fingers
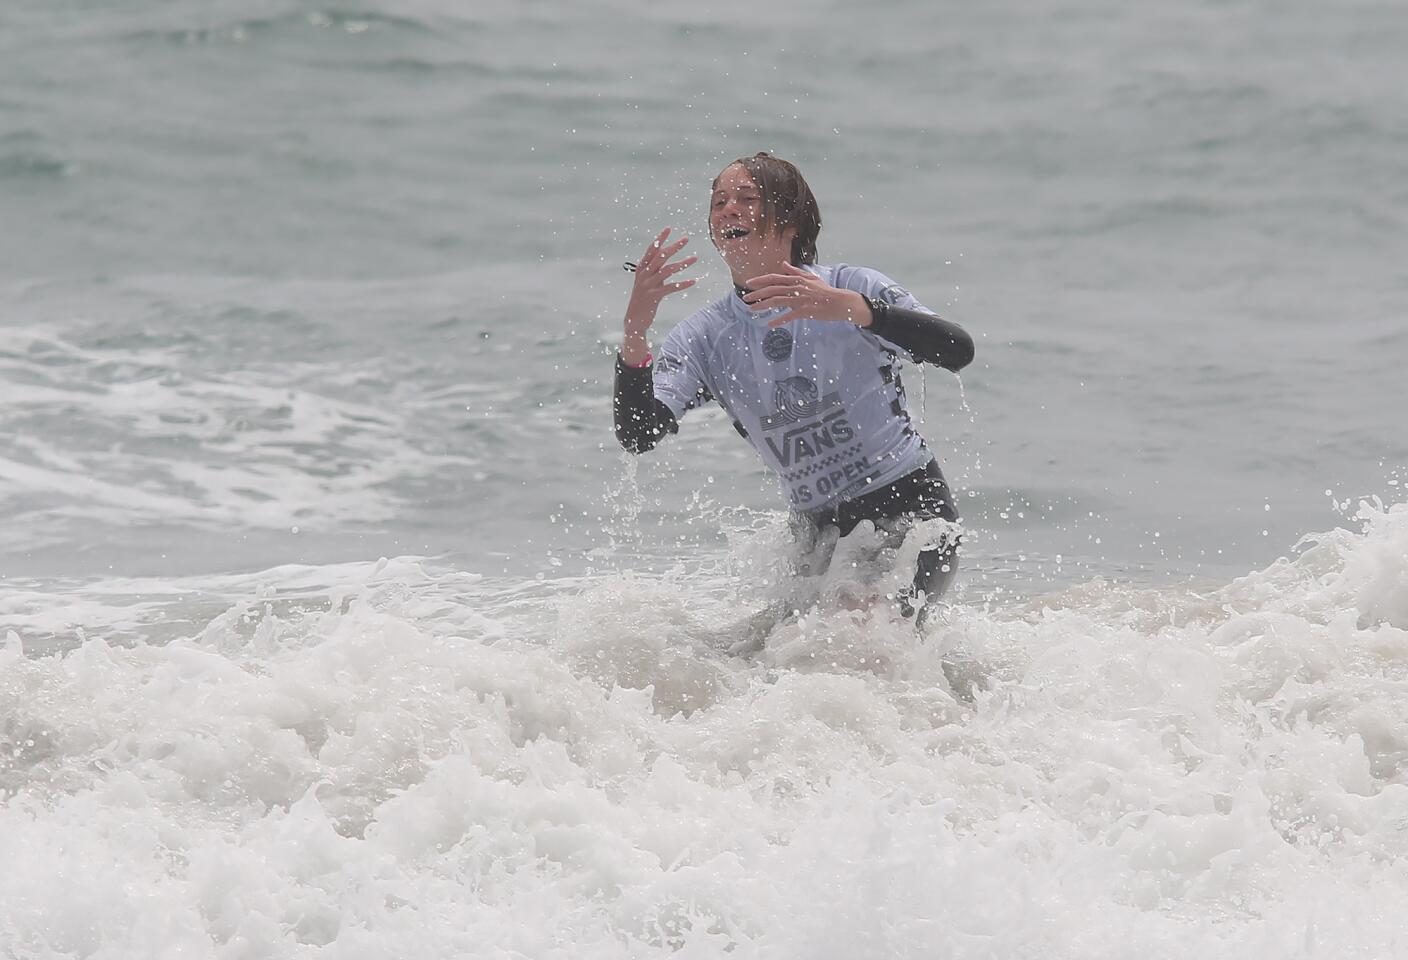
x,y
654,268
670,269
652,250
674,248
658,253
774,280
759,299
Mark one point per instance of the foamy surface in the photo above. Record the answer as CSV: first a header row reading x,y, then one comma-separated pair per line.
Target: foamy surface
x,y
382,760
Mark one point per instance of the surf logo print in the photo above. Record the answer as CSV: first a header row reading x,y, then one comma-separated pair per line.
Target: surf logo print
x,y
777,345
800,444
798,398
836,476
815,422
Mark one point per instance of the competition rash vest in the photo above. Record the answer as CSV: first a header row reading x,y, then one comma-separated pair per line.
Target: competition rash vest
x,y
820,400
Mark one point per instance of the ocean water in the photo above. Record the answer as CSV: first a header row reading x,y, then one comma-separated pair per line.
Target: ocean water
x,y
335,623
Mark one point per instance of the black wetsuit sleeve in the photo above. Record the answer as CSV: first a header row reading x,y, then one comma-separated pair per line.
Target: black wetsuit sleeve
x,y
928,338
641,419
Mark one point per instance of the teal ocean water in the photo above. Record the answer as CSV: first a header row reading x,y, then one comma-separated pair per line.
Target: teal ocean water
x,y
337,624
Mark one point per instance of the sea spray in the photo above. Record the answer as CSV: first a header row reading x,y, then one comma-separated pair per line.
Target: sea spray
x,y
378,764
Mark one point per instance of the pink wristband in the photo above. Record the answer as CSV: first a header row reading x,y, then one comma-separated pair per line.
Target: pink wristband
x,y
642,365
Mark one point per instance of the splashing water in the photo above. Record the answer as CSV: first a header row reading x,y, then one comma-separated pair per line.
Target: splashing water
x,y
404,760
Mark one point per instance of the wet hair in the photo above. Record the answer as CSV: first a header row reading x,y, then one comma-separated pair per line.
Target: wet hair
x,y
787,201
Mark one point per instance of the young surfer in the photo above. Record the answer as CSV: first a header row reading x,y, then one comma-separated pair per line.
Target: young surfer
x,y
804,358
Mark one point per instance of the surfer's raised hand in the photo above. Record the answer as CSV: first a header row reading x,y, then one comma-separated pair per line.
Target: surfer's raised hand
x,y
807,296
652,284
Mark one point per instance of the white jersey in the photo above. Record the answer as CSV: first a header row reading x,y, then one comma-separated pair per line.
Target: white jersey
x,y
821,401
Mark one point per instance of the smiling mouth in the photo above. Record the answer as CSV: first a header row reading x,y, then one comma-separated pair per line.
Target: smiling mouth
x,y
733,233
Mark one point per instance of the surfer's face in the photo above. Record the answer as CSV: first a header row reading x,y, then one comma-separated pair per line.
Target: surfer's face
x,y
739,227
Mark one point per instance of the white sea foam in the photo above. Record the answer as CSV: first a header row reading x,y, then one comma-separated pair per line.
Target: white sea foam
x,y
379,760
138,434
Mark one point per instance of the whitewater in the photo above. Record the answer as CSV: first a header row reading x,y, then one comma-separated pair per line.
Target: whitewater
x,y
422,762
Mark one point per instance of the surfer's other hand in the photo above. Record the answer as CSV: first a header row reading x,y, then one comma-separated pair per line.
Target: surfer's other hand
x,y
804,295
